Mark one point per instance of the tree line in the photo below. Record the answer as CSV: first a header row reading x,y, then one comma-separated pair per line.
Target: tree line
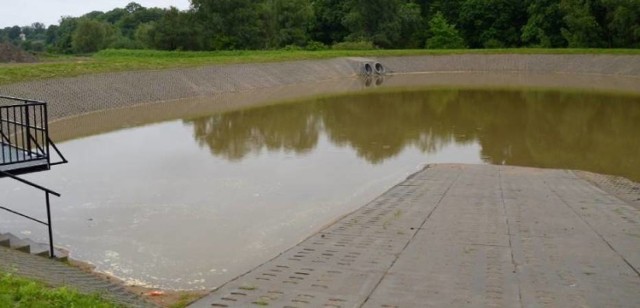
x,y
352,24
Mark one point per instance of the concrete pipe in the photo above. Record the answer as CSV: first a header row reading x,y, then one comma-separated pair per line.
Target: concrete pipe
x,y
379,68
367,69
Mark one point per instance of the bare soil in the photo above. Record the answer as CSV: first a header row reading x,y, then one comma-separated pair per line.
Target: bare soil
x,y
12,54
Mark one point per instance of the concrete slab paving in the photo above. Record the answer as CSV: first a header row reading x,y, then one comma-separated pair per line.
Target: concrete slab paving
x,y
462,235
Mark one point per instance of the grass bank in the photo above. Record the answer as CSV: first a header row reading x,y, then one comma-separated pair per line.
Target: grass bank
x,y
20,292
127,60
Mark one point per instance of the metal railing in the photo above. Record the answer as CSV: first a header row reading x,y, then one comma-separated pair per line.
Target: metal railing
x,y
47,193
24,133
25,142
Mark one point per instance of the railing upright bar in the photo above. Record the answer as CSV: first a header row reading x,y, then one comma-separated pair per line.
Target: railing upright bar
x,y
43,139
45,124
2,136
24,132
12,134
28,126
16,128
51,252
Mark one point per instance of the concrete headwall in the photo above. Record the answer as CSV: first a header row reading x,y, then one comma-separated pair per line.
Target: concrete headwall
x,y
79,95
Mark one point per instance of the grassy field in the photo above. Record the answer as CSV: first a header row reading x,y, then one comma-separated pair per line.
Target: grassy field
x,y
126,60
21,292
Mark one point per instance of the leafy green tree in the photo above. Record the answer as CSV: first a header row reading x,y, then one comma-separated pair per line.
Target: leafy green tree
x,y
175,30
582,27
135,16
443,35
114,15
545,19
39,30
64,35
328,26
13,33
52,34
95,15
375,20
3,35
165,34
449,8
287,22
144,35
232,24
35,37
412,25
89,36
492,23
260,24
623,23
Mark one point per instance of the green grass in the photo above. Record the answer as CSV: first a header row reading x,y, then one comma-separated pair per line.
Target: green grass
x,y
127,60
20,292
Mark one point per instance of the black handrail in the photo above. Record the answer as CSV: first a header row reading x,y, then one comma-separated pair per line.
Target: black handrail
x,y
47,192
24,128
26,101
22,134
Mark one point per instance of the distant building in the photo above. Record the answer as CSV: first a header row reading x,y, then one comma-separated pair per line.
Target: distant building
x,y
23,37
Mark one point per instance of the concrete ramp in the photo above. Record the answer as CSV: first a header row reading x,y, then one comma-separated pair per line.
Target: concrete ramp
x,y
462,235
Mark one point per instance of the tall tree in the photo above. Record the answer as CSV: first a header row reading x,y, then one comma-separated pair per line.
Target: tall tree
x,y
375,20
582,27
443,35
14,33
545,19
328,26
175,30
288,22
135,16
449,8
89,36
623,23
412,26
492,23
64,33
232,24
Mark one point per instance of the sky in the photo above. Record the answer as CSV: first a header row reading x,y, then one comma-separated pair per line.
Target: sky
x,y
48,12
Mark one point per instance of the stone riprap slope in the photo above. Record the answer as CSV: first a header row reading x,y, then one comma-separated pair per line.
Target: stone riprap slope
x,y
622,65
79,95
72,96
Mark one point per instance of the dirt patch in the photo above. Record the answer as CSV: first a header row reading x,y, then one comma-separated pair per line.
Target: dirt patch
x,y
12,54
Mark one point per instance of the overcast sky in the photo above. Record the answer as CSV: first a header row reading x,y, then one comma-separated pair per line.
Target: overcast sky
x,y
26,12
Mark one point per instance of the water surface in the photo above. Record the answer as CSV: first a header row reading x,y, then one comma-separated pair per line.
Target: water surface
x,y
193,203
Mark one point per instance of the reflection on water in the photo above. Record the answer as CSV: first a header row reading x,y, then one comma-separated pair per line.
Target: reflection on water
x,y
153,205
585,131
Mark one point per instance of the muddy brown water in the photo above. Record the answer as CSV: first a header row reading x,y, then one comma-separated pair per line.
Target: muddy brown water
x,y
192,203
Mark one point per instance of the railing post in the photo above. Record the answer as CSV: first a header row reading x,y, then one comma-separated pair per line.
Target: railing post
x,y
28,127
51,252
